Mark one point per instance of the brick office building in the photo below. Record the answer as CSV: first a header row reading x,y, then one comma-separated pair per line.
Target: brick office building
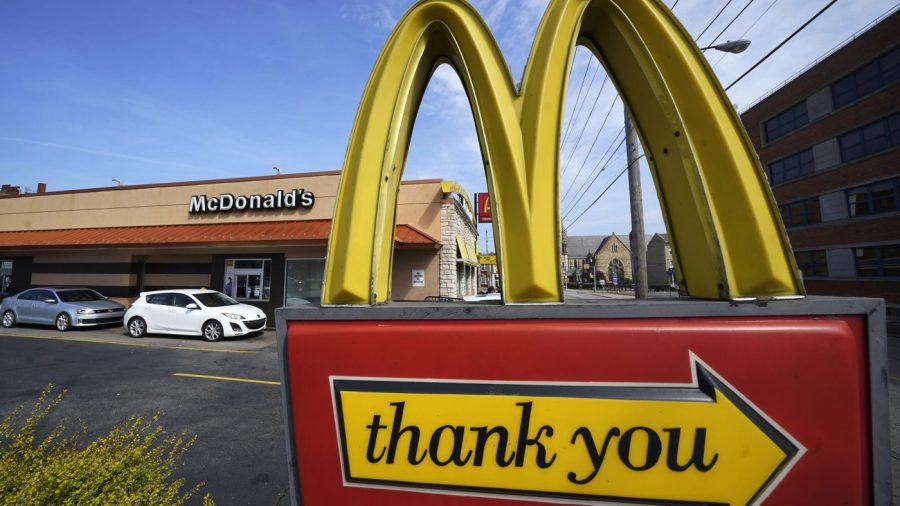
x,y
828,141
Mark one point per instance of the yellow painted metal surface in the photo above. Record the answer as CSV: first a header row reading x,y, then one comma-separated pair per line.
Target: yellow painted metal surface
x,y
724,227
467,253
454,187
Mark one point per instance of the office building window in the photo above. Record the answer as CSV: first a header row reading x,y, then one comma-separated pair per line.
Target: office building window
x,y
794,166
870,139
867,79
894,128
786,122
880,197
804,212
812,263
878,261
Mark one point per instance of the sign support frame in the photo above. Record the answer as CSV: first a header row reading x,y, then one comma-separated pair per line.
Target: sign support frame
x,y
872,310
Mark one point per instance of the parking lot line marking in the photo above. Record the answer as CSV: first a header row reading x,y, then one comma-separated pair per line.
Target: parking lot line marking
x,y
894,377
140,345
225,378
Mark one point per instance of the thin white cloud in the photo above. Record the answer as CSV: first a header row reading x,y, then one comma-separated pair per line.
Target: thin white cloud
x,y
377,14
99,152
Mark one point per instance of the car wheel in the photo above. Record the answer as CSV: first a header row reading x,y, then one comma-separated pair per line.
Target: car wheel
x,y
137,327
213,331
9,318
63,322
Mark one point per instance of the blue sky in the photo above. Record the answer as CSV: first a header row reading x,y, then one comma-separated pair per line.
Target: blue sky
x,y
166,90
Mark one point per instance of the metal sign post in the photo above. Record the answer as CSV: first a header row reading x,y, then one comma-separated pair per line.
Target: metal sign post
x,y
640,401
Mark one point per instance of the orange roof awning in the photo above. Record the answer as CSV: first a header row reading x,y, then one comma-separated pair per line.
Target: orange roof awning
x,y
206,233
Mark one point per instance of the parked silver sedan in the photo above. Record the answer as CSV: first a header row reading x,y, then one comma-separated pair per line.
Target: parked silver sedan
x,y
62,308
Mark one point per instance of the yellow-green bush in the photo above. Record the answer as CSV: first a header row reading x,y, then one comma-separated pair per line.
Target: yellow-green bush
x,y
134,464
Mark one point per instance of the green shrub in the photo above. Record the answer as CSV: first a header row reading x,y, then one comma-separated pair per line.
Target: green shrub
x,y
134,464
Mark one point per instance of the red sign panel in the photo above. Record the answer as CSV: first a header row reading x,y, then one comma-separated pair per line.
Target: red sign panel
x,y
483,203
567,397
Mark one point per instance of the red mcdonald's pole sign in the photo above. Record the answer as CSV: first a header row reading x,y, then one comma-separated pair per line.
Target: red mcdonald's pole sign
x,y
483,201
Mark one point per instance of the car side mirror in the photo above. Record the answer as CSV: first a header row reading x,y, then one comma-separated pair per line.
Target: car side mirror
x,y
50,301
192,306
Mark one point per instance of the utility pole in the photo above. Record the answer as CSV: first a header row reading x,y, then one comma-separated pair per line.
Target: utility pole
x,y
638,246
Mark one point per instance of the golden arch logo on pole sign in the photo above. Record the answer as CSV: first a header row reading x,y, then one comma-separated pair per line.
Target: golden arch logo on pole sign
x,y
724,227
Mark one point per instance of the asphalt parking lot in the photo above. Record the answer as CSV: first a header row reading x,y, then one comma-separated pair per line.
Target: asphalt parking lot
x,y
227,393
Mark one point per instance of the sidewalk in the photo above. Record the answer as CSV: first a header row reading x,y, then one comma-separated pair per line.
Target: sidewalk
x,y
578,294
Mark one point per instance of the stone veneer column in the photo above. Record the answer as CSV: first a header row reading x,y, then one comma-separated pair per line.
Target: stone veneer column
x,y
448,281
455,282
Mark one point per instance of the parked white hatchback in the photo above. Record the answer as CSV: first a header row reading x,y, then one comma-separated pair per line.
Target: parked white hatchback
x,y
206,313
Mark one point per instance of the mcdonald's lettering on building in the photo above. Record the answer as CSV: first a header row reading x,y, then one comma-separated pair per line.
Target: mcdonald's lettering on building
x,y
739,389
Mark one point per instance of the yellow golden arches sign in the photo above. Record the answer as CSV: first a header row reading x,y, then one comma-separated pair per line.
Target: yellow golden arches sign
x,y
724,228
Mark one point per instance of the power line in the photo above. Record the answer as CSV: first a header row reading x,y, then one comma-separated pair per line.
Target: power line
x,y
785,41
611,162
584,126
713,20
596,137
577,99
574,204
601,194
610,150
741,36
713,43
581,107
840,45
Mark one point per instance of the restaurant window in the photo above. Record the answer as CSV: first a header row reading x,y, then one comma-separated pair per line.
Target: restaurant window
x,y
786,122
248,279
804,212
303,281
880,197
6,271
792,167
812,263
878,261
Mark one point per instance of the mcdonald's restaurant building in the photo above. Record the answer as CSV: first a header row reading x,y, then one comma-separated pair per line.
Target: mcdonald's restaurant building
x,y
262,240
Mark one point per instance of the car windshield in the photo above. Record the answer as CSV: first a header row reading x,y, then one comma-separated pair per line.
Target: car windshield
x,y
78,295
215,299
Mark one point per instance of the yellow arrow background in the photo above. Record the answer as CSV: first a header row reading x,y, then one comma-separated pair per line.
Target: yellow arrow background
x,y
746,456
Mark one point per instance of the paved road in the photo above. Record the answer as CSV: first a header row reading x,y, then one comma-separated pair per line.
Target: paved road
x,y
240,451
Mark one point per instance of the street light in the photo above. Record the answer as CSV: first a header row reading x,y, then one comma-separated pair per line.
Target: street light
x,y
732,46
